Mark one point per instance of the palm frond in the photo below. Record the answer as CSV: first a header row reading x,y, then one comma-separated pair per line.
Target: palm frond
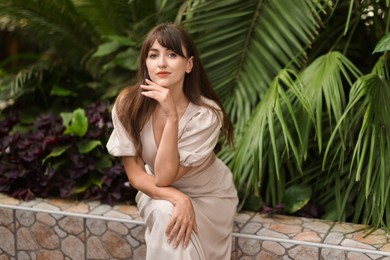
x,y
369,101
324,81
370,156
383,45
13,86
107,17
145,14
244,44
271,137
127,18
50,25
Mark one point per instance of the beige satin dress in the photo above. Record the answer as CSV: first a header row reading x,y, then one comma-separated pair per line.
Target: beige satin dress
x,y
209,185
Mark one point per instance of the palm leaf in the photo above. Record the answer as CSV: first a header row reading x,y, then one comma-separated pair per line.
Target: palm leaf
x,y
13,86
323,80
52,25
369,99
271,137
383,45
127,18
244,45
107,17
370,156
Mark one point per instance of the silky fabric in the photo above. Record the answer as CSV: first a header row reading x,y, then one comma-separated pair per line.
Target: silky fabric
x,y
209,184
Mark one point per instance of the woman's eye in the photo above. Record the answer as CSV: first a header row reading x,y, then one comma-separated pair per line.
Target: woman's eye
x,y
152,55
172,55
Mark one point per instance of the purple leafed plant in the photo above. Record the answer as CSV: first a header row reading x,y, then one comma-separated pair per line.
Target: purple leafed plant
x,y
26,171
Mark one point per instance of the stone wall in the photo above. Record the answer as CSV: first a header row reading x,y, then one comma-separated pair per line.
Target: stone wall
x,y
57,229
33,235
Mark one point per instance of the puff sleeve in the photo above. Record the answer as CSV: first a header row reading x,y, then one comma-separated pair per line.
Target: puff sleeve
x,y
199,137
119,143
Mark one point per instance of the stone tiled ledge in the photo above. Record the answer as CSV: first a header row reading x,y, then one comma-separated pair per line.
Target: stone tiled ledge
x,y
60,229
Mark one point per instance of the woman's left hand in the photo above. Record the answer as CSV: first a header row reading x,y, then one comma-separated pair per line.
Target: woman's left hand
x,y
182,222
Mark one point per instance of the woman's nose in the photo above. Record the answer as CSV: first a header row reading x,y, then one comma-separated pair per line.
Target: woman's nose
x,y
162,62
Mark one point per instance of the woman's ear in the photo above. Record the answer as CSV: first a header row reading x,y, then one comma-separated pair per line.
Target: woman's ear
x,y
190,64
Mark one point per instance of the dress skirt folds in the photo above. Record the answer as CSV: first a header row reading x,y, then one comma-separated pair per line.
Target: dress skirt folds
x,y
209,185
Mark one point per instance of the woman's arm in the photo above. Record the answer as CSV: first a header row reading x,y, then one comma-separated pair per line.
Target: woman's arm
x,y
144,182
166,167
182,222
166,164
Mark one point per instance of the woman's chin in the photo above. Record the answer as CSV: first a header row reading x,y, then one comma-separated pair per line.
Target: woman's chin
x,y
162,82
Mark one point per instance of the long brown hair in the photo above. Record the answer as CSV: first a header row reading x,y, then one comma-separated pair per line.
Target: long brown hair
x,y
134,110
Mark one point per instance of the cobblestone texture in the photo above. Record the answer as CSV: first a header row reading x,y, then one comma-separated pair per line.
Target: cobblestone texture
x,y
53,232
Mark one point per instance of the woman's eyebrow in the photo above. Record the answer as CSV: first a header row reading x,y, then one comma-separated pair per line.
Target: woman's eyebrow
x,y
166,49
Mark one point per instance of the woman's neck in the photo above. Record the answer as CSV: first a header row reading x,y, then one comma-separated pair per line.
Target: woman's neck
x,y
179,99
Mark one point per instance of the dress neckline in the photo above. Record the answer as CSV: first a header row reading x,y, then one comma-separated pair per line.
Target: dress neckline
x,y
179,123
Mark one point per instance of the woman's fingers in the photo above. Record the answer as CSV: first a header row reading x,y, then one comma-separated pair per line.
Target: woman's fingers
x,y
156,92
148,81
162,96
169,228
182,223
153,89
187,236
157,95
178,231
151,94
152,86
173,231
179,237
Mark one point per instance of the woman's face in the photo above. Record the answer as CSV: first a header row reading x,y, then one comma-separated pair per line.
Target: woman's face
x,y
165,67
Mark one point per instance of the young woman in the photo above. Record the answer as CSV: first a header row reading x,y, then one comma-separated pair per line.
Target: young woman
x,y
165,130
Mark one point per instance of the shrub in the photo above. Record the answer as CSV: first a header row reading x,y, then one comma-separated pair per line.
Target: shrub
x,y
61,156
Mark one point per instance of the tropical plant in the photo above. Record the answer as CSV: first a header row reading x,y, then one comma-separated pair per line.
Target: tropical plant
x,y
300,80
61,156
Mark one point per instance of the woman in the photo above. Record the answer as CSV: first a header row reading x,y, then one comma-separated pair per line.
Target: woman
x,y
165,130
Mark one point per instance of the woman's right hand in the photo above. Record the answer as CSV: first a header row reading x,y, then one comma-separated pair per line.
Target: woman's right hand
x,y
182,222
162,95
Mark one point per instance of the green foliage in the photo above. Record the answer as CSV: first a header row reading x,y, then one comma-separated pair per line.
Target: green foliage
x,y
247,43
120,52
57,151
271,129
285,137
324,80
23,83
296,197
88,145
366,115
383,45
47,162
62,92
252,202
76,123
58,21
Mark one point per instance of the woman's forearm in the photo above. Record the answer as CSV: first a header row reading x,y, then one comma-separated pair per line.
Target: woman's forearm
x,y
148,186
144,182
166,165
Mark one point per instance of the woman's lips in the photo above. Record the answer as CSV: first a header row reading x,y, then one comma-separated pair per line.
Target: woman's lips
x,y
163,74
